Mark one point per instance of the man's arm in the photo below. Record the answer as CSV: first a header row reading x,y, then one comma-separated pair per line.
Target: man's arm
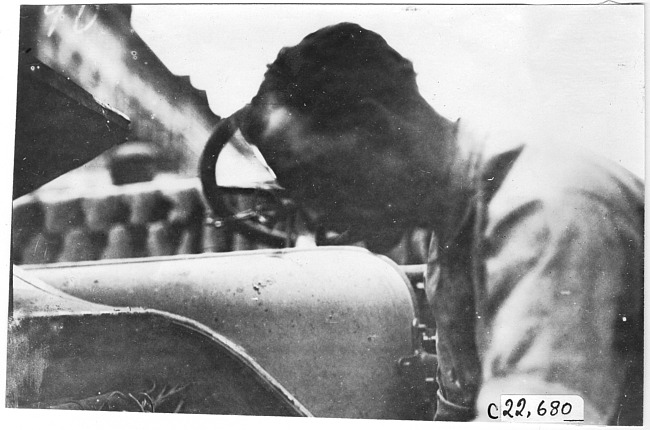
x,y
563,284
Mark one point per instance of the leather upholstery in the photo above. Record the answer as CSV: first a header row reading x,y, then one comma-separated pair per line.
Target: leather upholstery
x,y
161,217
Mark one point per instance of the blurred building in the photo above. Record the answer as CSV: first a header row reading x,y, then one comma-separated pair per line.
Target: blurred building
x,y
96,47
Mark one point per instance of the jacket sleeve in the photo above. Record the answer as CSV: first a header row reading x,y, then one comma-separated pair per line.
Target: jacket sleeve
x,y
561,307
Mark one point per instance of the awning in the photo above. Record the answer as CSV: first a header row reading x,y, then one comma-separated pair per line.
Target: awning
x,y
59,126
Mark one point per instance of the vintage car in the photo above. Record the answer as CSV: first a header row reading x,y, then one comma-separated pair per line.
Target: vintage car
x,y
181,294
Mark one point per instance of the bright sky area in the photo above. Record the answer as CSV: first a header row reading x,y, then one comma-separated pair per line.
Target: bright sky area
x,y
561,75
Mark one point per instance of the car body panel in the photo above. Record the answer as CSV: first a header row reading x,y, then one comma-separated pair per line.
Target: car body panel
x,y
330,323
66,353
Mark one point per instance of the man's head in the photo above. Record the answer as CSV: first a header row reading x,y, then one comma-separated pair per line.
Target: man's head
x,y
340,120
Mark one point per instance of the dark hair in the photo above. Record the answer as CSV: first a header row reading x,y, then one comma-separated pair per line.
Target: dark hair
x,y
335,68
353,95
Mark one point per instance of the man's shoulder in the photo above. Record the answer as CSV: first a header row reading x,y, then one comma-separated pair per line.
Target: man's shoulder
x,y
556,178
514,174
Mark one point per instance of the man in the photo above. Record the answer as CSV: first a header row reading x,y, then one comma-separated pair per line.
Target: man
x,y
535,280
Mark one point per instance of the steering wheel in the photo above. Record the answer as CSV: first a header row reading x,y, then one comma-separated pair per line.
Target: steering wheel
x,y
264,213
